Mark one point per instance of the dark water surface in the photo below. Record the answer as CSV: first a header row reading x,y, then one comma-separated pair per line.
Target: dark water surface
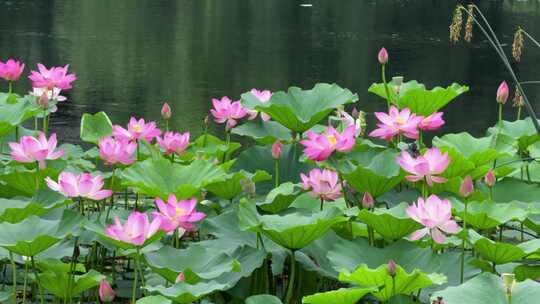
x,y
130,56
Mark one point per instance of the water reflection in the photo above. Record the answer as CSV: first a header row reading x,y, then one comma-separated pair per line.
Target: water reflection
x,y
131,56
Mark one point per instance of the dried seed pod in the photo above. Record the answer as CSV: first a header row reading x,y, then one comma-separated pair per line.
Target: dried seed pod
x,y
518,99
469,24
455,27
517,45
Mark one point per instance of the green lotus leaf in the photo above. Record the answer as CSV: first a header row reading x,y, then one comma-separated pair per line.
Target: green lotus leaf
x,y
415,96
512,189
232,185
55,279
22,182
160,177
33,235
226,229
392,224
524,272
479,151
248,258
263,299
489,288
340,296
196,261
280,198
260,158
212,146
15,112
295,229
264,132
376,172
521,131
94,127
405,283
299,110
16,210
154,300
487,215
501,253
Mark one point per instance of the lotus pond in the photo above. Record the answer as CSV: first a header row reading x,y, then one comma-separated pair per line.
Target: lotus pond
x,y
300,201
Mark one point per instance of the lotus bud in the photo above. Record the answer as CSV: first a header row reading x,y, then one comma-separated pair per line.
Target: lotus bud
x,y
180,278
467,186
43,100
106,293
490,179
517,45
166,111
391,268
383,56
276,149
502,93
367,201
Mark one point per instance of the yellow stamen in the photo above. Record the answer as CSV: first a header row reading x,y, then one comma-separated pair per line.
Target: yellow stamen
x,y
137,128
180,212
400,120
332,139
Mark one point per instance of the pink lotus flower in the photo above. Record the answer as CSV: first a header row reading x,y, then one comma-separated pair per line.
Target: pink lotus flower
x,y
432,122
136,230
11,70
323,184
56,77
276,149
166,111
382,56
53,94
226,111
30,149
137,129
502,93
82,185
174,142
368,201
436,216
467,187
319,147
396,122
426,166
113,151
263,96
106,293
177,214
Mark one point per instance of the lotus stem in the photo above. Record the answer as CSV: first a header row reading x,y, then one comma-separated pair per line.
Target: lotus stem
x,y
463,242
14,273
166,125
10,87
25,281
276,172
37,279
135,279
393,286
322,204
44,121
292,274
519,113
500,113
112,196
383,72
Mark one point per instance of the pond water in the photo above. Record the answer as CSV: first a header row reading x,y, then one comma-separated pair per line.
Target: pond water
x,y
130,56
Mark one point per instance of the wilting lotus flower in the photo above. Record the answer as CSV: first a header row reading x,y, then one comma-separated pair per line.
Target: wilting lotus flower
x,y
166,111
263,96
56,77
82,185
137,129
276,149
436,216
51,94
226,111
106,293
396,122
174,142
349,120
136,230
114,151
177,214
502,93
425,167
11,70
432,122
467,187
30,149
382,56
319,147
323,184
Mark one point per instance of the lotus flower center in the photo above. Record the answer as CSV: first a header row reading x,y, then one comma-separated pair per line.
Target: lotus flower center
x,y
180,212
400,120
332,140
137,128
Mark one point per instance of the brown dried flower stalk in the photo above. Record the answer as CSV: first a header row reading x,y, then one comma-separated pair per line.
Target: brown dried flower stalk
x,y
518,99
455,27
469,24
517,45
